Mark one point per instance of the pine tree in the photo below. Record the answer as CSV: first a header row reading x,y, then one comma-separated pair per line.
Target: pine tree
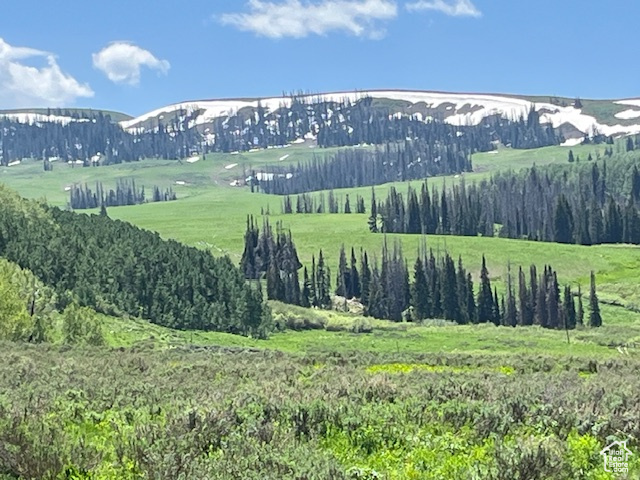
x,y
525,314
448,290
347,205
342,278
419,292
373,218
563,221
541,312
305,295
365,277
568,309
354,290
471,303
553,302
635,185
595,320
580,313
497,314
313,291
323,286
463,296
511,311
485,296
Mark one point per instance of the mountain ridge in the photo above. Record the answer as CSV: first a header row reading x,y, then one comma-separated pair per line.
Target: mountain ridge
x,y
456,108
574,117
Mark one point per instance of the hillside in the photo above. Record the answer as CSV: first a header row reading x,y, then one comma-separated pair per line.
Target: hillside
x,y
608,117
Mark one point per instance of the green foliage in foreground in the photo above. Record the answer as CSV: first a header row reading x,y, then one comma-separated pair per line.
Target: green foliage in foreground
x,y
184,414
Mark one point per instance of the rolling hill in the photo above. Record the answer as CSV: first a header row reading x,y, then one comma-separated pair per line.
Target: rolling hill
x,y
575,118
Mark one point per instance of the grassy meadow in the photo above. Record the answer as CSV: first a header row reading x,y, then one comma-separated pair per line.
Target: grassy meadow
x,y
328,394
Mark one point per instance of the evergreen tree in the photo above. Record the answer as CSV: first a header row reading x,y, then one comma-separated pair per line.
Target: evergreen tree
x,y
553,301
448,290
354,290
525,313
511,311
580,313
485,296
305,295
595,320
365,278
419,292
569,309
342,278
563,221
323,285
497,313
373,218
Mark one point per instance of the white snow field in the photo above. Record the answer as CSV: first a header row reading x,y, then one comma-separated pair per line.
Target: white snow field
x,y
628,114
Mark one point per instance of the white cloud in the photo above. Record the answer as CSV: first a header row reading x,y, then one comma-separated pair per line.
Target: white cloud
x,y
121,62
455,8
296,18
23,85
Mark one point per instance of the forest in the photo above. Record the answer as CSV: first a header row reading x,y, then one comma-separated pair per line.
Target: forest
x,y
584,204
440,287
118,269
94,139
126,193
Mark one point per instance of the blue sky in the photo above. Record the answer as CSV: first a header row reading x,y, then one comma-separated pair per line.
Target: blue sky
x,y
134,56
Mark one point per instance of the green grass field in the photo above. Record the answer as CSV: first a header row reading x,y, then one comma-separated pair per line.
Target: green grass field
x,y
348,397
211,214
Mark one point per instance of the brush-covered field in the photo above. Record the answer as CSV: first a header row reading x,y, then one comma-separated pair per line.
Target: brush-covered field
x,y
209,413
328,394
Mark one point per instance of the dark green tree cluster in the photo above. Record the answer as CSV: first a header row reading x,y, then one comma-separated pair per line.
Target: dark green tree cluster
x,y
526,132
96,140
316,290
442,288
117,268
306,203
541,204
126,193
360,167
273,257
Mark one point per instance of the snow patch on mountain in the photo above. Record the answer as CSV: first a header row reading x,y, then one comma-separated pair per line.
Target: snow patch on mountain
x,y
633,102
460,109
628,114
31,118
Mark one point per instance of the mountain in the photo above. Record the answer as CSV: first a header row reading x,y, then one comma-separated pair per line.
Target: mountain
x,y
574,118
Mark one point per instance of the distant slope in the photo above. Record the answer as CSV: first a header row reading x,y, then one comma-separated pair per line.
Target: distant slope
x,y
62,115
609,117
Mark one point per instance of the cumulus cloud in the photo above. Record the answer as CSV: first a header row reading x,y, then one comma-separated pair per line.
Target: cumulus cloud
x,y
23,85
121,62
296,18
454,8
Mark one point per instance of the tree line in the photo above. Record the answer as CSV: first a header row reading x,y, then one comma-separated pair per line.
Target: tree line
x,y
305,203
441,287
362,167
576,205
126,193
116,268
94,140
366,121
